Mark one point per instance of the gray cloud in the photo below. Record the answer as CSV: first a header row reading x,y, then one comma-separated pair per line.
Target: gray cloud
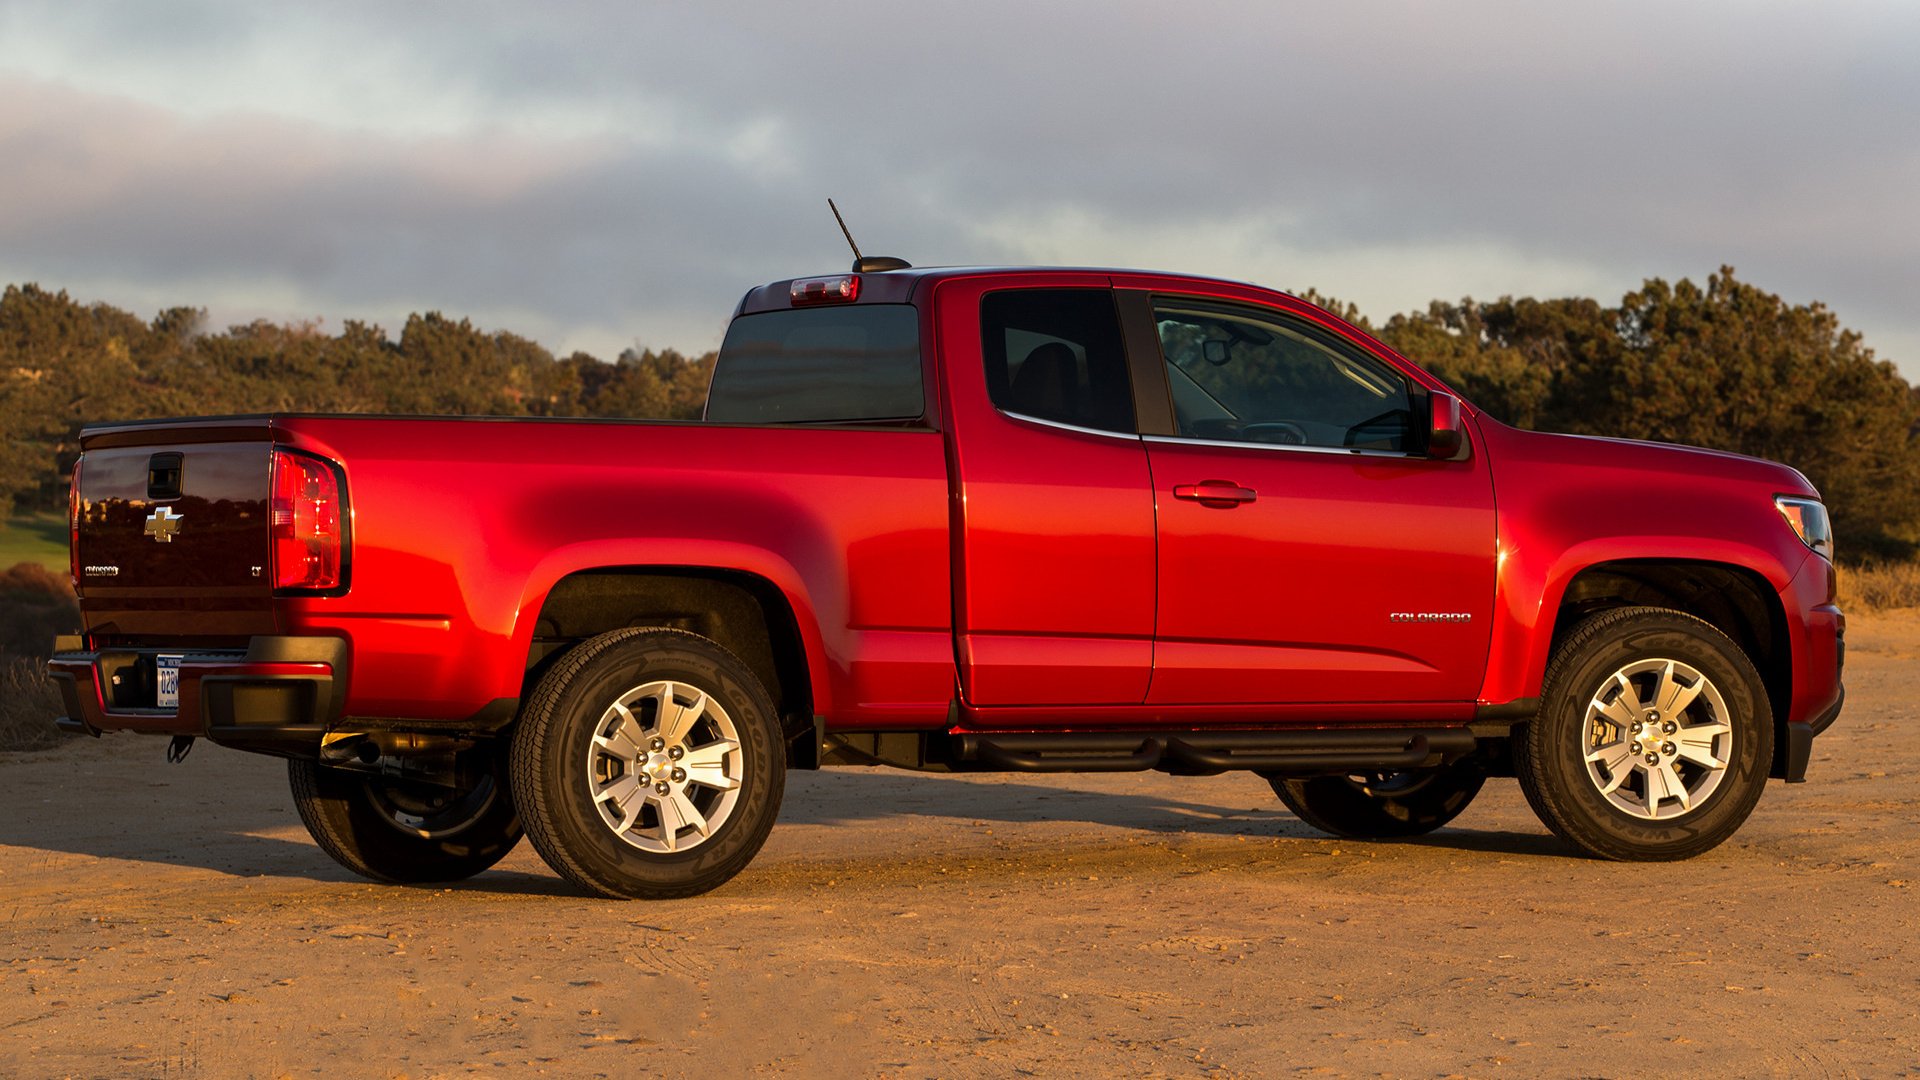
x,y
593,173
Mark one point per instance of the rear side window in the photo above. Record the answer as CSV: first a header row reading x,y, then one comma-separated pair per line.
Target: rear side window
x,y
1056,354
820,365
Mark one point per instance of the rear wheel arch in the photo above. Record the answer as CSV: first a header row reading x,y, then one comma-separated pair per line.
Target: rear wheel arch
x,y
1735,600
744,613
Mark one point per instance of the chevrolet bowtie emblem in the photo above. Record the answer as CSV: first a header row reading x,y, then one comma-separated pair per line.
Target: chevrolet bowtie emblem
x,y
163,523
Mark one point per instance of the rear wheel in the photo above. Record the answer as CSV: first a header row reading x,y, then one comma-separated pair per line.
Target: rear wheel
x,y
1653,739
649,764
405,831
1382,806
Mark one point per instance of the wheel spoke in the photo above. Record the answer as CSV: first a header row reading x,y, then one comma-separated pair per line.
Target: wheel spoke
x,y
1672,698
620,741
1618,775
707,765
1617,758
688,813
670,820
1624,711
1628,703
1695,743
677,720
1672,781
1662,784
623,795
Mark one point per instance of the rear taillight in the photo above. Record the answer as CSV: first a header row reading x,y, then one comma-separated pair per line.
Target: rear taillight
x,y
306,518
73,525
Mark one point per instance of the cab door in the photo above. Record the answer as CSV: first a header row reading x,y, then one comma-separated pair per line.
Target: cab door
x,y
1053,502
1309,552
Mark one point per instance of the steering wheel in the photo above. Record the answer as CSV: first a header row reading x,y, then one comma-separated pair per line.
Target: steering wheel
x,y
1277,432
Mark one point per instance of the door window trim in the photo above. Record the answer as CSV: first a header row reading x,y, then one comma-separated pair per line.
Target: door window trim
x,y
1129,436
1342,451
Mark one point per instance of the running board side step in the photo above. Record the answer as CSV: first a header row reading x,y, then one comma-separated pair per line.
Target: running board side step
x,y
1296,753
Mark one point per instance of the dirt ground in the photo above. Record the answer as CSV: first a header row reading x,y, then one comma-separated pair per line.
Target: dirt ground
x,y
176,921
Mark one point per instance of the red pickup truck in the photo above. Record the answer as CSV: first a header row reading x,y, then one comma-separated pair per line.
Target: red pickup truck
x,y
1038,520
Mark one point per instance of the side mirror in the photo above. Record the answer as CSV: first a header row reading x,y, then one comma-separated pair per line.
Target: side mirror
x,y
1445,439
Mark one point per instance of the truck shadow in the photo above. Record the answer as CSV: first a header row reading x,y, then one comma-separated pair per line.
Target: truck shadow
x,y
870,797
234,815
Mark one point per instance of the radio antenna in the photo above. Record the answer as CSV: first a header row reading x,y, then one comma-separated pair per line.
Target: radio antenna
x,y
844,231
861,263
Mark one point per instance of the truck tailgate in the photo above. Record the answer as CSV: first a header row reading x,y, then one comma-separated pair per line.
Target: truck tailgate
x,y
173,537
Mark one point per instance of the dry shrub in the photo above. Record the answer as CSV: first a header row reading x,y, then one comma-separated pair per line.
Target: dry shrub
x,y
35,604
28,704
1880,586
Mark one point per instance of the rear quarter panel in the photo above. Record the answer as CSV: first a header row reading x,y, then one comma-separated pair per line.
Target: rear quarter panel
x,y
463,526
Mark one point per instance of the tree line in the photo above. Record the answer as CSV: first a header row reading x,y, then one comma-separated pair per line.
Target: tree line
x,y
65,364
1727,365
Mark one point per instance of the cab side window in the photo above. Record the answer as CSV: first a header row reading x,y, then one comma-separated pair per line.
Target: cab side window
x,y
1056,354
1250,375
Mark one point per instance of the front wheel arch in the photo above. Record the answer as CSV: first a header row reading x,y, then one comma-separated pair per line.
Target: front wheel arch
x,y
1734,600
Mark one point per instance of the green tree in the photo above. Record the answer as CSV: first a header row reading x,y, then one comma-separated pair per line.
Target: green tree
x,y
1734,367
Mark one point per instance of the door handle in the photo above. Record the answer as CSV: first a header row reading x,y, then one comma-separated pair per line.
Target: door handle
x,y
1215,494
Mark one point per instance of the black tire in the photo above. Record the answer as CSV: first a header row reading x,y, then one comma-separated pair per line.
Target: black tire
x,y
1550,751
555,765
1382,806
401,831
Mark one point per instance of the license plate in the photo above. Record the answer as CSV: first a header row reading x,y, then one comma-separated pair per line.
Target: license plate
x,y
167,686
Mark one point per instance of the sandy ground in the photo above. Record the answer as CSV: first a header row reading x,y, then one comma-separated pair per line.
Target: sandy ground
x,y
176,921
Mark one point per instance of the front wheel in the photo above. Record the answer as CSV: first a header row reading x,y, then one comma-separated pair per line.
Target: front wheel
x,y
1653,739
1382,806
405,831
649,764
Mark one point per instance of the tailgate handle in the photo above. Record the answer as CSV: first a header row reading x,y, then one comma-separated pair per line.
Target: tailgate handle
x,y
163,476
1217,494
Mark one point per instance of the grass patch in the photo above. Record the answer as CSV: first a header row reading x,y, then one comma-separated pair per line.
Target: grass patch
x,y
1880,586
35,538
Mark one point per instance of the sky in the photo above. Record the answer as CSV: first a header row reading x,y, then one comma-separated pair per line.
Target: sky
x,y
603,175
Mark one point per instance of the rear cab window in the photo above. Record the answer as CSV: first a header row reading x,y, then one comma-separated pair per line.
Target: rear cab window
x,y
822,365
1056,355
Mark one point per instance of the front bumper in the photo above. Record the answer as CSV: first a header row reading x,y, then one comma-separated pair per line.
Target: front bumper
x,y
279,695
1799,748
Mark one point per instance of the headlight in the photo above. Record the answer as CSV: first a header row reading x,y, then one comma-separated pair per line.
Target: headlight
x,y
1809,520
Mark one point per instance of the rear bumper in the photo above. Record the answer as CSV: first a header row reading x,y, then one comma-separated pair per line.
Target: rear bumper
x,y
277,696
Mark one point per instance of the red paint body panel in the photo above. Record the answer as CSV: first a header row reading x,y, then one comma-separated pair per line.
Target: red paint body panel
x,y
462,527
1287,598
1568,503
1045,573
1816,637
1053,535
